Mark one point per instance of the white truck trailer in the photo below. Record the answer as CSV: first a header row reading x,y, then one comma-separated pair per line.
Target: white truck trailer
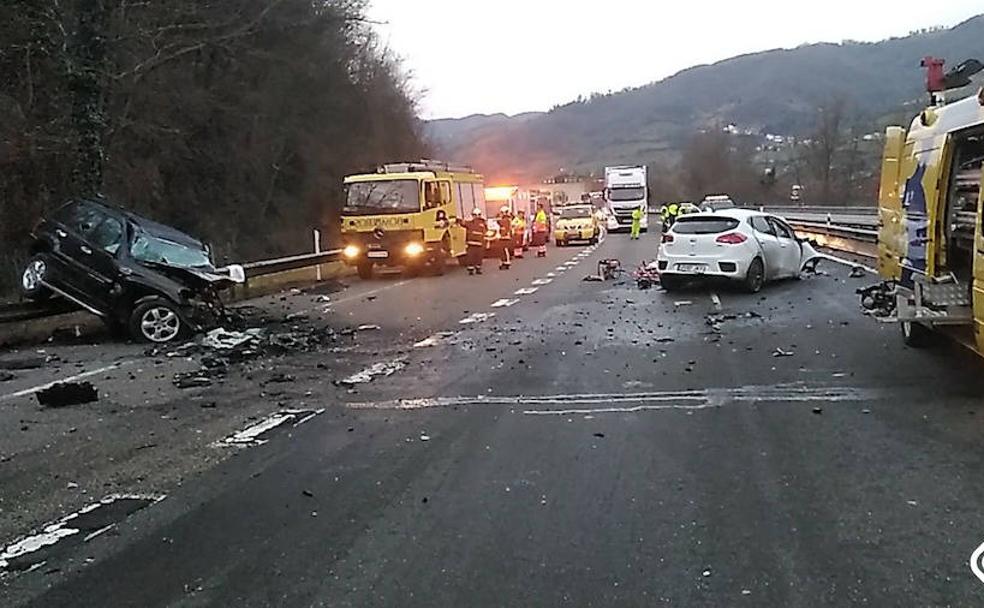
x,y
626,189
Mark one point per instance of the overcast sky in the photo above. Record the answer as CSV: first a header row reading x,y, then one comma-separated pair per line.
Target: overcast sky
x,y
487,56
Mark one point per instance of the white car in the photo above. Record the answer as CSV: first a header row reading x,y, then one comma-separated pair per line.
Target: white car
x,y
743,245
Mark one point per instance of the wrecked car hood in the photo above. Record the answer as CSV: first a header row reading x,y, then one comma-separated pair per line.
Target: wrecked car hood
x,y
218,278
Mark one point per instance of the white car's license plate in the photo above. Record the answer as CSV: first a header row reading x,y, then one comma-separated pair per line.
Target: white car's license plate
x,y
378,254
692,268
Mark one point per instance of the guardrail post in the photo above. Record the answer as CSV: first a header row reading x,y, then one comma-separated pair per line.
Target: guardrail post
x,y
317,249
830,220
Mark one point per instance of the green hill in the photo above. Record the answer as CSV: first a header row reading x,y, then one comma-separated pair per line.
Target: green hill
x,y
776,91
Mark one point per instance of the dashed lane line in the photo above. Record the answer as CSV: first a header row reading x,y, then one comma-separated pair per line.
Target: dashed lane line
x,y
505,303
526,291
542,282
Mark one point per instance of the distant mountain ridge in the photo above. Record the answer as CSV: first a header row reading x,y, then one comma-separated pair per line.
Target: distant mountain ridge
x,y
775,91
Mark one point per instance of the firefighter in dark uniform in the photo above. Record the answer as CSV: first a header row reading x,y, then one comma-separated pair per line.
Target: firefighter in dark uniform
x,y
505,219
475,229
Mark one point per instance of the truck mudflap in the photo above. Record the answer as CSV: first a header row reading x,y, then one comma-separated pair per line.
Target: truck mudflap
x,y
929,302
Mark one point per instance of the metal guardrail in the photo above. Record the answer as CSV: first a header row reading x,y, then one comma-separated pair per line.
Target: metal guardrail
x,y
294,262
856,241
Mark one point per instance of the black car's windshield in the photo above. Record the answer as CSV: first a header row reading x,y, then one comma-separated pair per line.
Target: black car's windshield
x,y
626,194
572,213
153,249
396,196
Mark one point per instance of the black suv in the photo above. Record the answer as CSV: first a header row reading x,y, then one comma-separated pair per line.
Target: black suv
x,y
150,280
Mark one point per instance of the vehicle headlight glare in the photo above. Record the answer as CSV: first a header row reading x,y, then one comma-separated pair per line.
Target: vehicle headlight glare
x,y
414,249
351,251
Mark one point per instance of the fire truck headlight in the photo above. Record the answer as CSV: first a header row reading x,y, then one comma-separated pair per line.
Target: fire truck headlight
x,y
414,249
351,251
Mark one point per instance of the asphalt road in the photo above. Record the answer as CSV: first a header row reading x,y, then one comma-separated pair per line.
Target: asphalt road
x,y
591,444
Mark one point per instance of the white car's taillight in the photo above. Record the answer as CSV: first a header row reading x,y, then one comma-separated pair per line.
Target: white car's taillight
x,y
732,238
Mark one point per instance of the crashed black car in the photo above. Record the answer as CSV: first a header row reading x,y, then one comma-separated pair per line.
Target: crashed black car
x,y
143,278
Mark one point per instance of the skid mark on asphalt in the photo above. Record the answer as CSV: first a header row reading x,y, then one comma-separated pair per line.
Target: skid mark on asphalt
x,y
695,399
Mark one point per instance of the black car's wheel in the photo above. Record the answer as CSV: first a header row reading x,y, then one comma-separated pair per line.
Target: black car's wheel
x,y
365,270
32,279
916,335
156,320
755,277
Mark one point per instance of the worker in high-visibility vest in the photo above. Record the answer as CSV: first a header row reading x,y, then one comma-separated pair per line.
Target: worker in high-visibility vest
x,y
541,231
475,229
636,223
519,234
504,220
672,210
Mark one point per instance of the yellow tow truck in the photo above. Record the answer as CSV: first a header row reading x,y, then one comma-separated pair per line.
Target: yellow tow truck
x,y
406,215
931,238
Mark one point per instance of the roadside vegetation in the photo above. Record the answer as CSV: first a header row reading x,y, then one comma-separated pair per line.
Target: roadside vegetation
x,y
234,121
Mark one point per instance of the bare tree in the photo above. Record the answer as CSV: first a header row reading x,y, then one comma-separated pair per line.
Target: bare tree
x,y
825,144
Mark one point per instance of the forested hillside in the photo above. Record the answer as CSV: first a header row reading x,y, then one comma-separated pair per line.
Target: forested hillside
x,y
233,120
777,91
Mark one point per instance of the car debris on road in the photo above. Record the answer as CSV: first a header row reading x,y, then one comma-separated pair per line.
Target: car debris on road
x,y
64,394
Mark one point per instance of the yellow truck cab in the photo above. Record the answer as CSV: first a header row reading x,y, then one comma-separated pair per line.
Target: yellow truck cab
x,y
407,216
576,223
931,243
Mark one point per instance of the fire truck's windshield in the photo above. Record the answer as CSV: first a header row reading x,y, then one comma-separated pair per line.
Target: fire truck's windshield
x,y
626,194
378,197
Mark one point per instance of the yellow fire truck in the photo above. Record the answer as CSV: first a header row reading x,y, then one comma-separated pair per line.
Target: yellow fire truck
x,y
931,242
406,216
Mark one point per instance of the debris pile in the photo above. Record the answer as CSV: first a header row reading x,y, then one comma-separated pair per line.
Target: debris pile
x,y
716,320
222,348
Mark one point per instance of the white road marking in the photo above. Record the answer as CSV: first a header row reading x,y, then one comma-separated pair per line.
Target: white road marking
x,y
367,294
551,275
694,399
55,531
505,303
542,282
834,258
75,378
434,340
716,300
251,435
560,269
380,368
526,291
620,410
477,317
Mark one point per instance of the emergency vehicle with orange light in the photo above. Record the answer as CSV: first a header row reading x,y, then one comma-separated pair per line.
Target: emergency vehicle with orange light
x,y
406,215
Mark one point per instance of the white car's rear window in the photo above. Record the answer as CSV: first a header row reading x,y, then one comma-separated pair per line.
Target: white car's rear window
x,y
704,225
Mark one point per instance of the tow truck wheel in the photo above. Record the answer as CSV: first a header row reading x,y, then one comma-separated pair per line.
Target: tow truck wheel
x,y
156,320
365,271
32,278
916,335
